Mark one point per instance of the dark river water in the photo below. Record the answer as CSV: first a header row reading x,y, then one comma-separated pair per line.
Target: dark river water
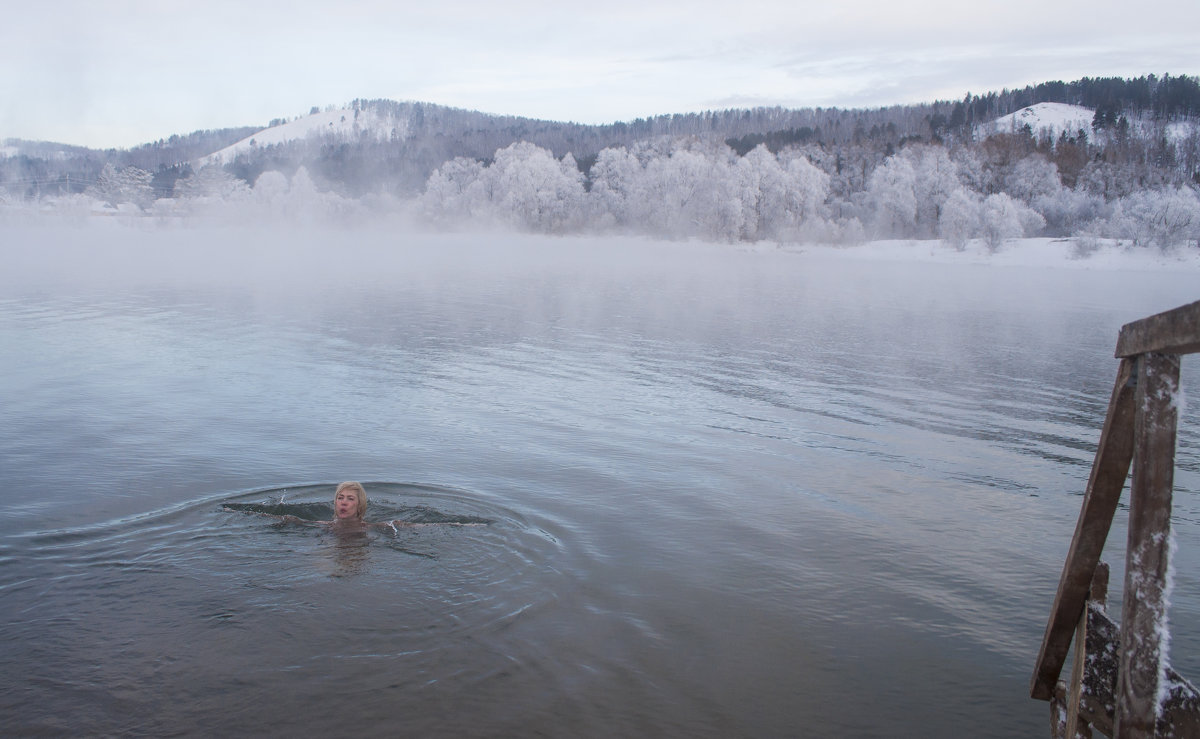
x,y
718,492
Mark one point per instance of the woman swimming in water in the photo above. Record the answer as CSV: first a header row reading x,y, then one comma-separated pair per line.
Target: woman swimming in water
x,y
350,505
349,502
349,509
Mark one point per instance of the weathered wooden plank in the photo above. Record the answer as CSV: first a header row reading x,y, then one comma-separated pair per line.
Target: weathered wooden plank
x,y
1098,701
1109,470
1058,712
1175,331
1078,723
1181,710
1077,726
1144,612
1060,726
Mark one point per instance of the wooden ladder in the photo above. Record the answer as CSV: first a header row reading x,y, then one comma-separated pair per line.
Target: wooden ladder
x,y
1120,684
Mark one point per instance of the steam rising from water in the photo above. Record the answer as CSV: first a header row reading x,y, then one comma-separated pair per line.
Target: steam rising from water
x,y
729,487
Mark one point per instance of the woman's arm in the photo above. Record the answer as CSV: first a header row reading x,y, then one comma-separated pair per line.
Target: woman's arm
x,y
282,518
395,524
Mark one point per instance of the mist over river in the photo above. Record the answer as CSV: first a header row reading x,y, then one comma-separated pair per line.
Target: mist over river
x,y
719,492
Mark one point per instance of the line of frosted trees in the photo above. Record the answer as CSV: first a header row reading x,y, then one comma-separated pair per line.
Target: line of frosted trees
x,y
209,193
676,190
687,188
695,188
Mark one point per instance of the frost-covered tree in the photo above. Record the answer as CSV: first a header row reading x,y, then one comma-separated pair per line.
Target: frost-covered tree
x,y
212,183
971,169
304,201
935,179
692,191
128,185
808,188
1108,180
713,209
780,200
525,187
617,179
271,188
1162,218
1004,218
534,191
848,231
891,191
960,218
763,192
455,192
75,208
1070,211
1032,179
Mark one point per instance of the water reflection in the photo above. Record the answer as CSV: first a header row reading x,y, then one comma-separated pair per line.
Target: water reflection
x,y
346,551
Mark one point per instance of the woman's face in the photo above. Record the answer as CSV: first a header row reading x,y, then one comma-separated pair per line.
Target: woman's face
x,y
345,504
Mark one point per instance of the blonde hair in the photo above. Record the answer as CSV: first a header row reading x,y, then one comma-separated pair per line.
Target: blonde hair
x,y
357,488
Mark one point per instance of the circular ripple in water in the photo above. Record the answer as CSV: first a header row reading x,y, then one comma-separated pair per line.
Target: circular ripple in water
x,y
200,618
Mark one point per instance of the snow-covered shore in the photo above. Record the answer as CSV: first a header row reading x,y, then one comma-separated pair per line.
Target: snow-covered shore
x,y
125,236
1095,254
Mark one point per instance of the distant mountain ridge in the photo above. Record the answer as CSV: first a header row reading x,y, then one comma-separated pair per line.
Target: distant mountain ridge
x,y
385,145
1163,97
978,168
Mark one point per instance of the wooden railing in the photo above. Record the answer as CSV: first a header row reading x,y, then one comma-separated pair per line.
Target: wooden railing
x,y
1120,683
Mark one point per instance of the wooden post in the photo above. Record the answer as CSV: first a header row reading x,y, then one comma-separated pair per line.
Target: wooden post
x,y
1143,614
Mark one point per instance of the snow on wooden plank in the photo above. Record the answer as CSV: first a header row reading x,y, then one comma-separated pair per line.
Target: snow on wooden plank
x,y
1176,331
1078,722
1180,714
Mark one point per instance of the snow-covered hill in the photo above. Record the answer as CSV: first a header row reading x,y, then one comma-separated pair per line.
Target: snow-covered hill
x,y
343,123
39,150
1053,118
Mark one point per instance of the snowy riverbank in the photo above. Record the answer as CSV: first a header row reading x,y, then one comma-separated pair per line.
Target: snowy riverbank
x,y
114,239
1037,252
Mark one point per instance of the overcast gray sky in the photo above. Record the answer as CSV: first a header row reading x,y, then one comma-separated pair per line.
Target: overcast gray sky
x,y
123,72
